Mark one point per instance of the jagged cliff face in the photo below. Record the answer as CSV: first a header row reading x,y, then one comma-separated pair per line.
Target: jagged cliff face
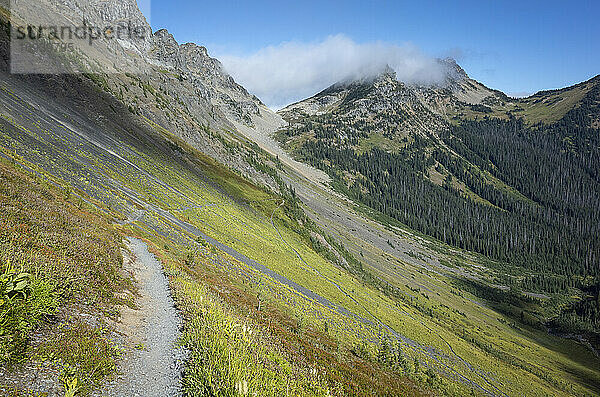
x,y
207,75
177,86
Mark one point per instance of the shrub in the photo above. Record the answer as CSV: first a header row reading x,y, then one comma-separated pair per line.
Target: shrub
x,y
24,300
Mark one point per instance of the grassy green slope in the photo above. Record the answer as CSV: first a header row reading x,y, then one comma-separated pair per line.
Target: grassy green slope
x,y
543,107
158,192
480,323
169,194
424,275
60,260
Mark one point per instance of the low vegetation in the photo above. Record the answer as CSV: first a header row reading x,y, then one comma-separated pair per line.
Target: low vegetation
x,y
354,330
58,258
245,339
523,194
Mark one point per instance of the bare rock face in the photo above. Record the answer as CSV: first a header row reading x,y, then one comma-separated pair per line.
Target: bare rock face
x,y
104,13
207,75
133,47
177,86
165,49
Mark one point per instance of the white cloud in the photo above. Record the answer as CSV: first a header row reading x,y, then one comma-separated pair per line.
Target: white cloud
x,y
293,71
520,94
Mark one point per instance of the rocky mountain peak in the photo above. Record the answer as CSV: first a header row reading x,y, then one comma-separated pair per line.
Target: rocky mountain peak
x,y
166,48
191,78
196,59
388,72
454,70
196,50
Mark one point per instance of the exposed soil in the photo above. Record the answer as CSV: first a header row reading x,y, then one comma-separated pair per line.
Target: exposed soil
x,y
152,363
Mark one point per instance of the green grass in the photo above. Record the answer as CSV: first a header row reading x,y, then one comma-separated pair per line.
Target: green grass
x,y
547,107
68,343
220,296
552,106
71,260
84,354
251,233
495,342
380,141
238,344
229,354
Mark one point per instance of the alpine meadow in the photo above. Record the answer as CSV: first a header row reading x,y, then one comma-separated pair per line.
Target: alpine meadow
x,y
404,231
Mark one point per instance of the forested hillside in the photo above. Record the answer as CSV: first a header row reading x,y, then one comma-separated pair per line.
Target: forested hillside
x,y
526,195
156,239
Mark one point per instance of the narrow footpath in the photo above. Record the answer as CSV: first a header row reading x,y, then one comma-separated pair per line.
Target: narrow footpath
x,y
152,363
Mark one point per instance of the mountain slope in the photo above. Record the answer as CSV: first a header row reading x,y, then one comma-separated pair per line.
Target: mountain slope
x,y
546,107
178,87
265,312
273,303
229,247
473,175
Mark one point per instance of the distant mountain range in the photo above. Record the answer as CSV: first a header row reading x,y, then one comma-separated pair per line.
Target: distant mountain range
x,y
514,179
458,99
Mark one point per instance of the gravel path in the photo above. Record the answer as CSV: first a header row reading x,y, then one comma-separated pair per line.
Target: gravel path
x,y
152,364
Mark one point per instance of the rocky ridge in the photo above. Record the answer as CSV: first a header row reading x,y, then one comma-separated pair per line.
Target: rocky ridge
x,y
176,87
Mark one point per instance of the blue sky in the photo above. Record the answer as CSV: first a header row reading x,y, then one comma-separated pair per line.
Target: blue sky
x,y
515,46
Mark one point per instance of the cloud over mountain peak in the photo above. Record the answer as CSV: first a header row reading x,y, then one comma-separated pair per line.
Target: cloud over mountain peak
x,y
292,71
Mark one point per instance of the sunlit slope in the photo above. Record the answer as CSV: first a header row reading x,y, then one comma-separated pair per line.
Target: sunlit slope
x,y
155,184
543,107
164,188
173,194
429,277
